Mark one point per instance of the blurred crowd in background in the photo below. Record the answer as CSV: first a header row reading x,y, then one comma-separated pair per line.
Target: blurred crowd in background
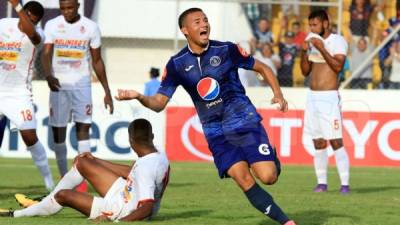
x,y
279,30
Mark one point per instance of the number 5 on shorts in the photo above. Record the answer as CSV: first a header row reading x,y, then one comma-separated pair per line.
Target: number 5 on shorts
x,y
336,124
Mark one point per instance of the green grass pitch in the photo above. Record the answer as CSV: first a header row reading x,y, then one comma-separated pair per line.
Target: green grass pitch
x,y
196,195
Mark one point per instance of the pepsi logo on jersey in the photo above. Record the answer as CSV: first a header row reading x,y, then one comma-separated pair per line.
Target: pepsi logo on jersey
x,y
208,88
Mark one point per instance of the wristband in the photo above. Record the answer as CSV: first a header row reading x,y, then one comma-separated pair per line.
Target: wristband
x,y
18,8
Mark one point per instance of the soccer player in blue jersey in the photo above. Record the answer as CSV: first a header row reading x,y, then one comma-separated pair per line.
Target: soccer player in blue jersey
x,y
207,70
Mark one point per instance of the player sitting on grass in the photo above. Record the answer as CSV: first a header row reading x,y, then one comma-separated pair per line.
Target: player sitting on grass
x,y
127,193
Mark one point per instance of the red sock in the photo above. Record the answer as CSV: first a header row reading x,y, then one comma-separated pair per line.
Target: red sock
x,y
82,187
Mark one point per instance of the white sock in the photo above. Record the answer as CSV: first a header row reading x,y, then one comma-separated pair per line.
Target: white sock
x,y
321,165
83,146
69,181
343,165
49,205
40,158
60,149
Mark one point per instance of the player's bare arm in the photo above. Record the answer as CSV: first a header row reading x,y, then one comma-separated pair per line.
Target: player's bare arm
x,y
268,76
305,64
140,213
156,102
335,62
47,57
25,24
99,69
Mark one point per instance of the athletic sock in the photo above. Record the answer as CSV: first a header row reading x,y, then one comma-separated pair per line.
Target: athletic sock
x,y
69,181
343,165
40,158
321,165
60,149
49,205
264,202
83,146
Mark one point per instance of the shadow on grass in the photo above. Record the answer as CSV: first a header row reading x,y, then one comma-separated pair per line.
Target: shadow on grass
x,y
32,191
313,217
366,190
181,215
181,184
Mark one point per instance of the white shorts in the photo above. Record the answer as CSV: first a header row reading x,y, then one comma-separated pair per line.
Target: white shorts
x,y
112,204
323,117
65,104
19,110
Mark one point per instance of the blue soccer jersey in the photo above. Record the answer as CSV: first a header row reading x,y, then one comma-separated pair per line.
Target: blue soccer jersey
x,y
212,81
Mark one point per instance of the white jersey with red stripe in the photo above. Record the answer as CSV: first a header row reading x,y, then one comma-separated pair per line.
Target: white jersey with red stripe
x,y
71,53
146,182
16,56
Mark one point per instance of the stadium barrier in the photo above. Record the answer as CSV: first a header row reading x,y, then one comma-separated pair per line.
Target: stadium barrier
x,y
371,127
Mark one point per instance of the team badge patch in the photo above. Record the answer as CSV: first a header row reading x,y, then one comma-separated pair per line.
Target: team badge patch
x,y
83,30
208,88
215,61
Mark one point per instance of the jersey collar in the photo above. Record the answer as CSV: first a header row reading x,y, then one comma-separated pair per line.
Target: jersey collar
x,y
205,50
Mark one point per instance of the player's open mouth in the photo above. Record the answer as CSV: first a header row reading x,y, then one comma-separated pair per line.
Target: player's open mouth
x,y
203,34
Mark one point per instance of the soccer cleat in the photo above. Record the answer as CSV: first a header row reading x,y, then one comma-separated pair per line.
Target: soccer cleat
x,y
6,213
277,162
25,201
290,222
345,189
321,188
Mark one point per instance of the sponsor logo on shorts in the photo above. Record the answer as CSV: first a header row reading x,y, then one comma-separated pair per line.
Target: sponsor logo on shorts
x,y
264,149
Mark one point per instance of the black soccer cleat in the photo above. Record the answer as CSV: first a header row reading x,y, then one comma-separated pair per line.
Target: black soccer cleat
x,y
276,160
6,213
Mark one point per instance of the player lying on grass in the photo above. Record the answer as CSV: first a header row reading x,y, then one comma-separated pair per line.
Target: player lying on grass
x,y
127,193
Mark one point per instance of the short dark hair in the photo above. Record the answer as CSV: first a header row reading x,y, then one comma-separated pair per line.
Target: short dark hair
x,y
320,14
35,8
154,72
296,23
67,0
185,13
141,132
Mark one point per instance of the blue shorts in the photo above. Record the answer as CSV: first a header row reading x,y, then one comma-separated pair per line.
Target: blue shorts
x,y
249,144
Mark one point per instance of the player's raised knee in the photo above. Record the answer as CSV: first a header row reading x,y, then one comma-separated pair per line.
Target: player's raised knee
x,y
268,177
81,160
61,196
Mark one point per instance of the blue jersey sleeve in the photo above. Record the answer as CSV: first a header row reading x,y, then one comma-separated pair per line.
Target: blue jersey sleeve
x,y
168,84
240,57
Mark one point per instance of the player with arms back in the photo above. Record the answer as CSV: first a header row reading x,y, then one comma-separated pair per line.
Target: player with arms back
x,y
208,71
18,40
72,42
322,57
